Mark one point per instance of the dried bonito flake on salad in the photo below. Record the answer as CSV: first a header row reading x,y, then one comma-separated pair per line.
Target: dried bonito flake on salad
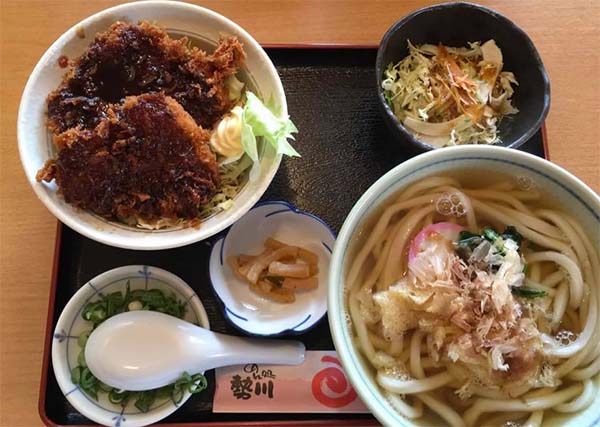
x,y
451,96
279,271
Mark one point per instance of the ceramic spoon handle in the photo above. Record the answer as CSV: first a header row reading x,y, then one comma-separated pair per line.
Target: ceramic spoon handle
x,y
230,350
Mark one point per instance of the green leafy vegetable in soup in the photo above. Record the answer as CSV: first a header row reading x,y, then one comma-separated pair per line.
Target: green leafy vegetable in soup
x,y
468,243
525,292
110,305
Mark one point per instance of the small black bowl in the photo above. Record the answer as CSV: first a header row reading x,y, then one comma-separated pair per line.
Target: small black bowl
x,y
455,24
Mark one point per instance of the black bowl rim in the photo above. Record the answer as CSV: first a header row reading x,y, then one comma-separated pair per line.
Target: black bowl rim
x,y
449,5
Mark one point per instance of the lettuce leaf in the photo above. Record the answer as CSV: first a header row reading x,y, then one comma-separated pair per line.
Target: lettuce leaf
x,y
260,121
249,141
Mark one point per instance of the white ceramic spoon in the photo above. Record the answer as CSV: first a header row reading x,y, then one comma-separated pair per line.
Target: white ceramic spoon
x,y
143,350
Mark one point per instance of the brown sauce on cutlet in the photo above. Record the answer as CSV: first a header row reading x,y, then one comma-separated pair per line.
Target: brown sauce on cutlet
x,y
129,118
131,59
147,160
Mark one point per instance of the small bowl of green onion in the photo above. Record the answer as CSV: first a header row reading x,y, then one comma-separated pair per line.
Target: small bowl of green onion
x,y
134,287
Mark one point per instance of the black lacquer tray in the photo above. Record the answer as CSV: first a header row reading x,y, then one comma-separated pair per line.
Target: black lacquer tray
x,y
345,148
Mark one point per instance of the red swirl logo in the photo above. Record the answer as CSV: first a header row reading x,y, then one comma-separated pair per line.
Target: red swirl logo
x,y
330,386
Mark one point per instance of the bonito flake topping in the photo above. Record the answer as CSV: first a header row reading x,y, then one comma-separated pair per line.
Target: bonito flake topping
x,y
467,302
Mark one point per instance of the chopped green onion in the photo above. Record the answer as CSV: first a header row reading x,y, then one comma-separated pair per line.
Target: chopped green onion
x,y
88,379
104,387
81,359
118,396
89,383
177,395
184,379
94,312
76,375
197,384
145,400
115,303
164,392
92,392
82,339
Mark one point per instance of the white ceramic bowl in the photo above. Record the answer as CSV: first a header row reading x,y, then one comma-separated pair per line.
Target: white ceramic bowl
x,y
572,195
70,325
204,27
250,312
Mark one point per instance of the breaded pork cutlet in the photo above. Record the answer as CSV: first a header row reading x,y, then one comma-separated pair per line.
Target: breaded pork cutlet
x,y
132,59
147,159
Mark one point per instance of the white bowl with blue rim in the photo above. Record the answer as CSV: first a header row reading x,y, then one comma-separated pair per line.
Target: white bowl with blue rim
x,y
250,312
70,325
204,28
568,193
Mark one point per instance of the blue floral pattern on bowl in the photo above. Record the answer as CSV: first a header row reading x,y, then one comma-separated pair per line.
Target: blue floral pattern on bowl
x,y
244,309
70,325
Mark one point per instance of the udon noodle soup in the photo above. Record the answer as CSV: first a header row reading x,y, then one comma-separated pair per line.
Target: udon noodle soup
x,y
478,303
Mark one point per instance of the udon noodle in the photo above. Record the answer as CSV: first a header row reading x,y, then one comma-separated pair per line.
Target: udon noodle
x,y
471,323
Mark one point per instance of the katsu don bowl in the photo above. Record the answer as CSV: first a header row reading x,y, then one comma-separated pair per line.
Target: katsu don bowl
x,y
88,145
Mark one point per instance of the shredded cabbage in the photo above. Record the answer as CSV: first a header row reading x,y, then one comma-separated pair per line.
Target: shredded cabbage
x,y
451,96
232,179
235,87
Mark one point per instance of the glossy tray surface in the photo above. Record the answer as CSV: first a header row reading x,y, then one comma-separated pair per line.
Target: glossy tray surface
x,y
345,147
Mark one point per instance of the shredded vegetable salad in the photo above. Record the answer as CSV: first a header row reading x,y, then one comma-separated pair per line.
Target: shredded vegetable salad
x,y
451,96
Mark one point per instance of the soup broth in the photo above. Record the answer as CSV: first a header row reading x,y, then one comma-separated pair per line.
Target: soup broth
x,y
471,297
